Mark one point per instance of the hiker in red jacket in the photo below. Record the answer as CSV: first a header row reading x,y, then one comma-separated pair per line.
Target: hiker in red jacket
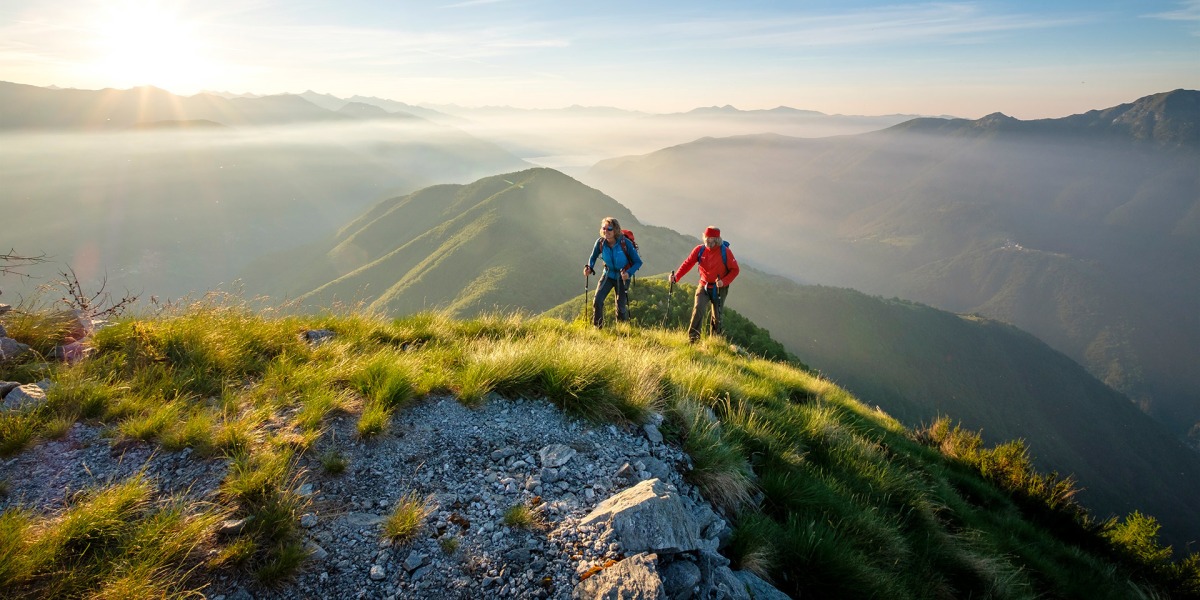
x,y
718,268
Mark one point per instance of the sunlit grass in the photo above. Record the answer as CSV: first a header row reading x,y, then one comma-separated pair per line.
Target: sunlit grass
x,y
406,519
115,541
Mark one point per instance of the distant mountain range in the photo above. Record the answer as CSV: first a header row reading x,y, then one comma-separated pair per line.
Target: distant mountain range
x,y
31,107
1083,230
1166,119
518,241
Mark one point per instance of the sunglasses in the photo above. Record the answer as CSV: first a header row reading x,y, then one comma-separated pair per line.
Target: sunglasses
x,y
606,228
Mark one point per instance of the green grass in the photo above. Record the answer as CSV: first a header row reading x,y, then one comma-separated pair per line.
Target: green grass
x,y
334,462
406,519
827,497
112,542
524,516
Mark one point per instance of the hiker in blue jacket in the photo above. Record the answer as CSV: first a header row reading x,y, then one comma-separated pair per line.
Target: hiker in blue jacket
x,y
621,261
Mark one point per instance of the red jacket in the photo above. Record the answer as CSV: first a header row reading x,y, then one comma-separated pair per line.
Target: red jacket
x,y
712,267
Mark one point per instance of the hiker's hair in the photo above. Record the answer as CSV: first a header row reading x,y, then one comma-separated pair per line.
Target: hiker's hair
x,y
612,222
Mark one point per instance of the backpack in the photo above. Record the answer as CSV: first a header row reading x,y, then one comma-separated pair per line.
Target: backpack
x,y
625,235
724,254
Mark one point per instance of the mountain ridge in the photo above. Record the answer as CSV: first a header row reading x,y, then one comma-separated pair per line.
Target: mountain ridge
x,y
1166,118
454,248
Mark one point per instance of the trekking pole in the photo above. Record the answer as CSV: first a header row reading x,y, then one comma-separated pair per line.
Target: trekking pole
x,y
587,278
670,288
719,307
622,287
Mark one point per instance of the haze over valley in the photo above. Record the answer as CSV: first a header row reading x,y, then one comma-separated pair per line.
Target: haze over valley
x,y
1083,230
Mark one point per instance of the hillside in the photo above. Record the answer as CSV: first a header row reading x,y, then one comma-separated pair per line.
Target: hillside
x,y
918,364
348,456
1081,230
504,242
523,237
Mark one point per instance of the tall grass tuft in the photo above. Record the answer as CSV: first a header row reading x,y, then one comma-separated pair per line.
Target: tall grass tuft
x,y
720,468
263,487
109,542
524,516
385,380
406,519
17,430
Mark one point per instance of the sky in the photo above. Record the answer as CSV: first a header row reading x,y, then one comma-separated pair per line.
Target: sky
x,y
1027,59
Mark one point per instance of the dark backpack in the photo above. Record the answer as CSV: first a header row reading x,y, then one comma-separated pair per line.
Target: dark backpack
x,y
724,254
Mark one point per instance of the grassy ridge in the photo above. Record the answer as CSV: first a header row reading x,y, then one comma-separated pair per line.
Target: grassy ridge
x,y
523,237
828,497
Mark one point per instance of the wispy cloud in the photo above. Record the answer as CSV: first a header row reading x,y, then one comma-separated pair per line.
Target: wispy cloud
x,y
924,23
1188,11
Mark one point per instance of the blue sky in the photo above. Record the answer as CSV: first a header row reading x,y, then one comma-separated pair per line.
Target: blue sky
x,y
1026,59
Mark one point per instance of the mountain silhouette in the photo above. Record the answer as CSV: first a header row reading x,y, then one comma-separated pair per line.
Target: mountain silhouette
x,y
1166,119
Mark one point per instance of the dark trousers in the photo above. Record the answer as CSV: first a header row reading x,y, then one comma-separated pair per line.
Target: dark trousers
x,y
704,301
605,286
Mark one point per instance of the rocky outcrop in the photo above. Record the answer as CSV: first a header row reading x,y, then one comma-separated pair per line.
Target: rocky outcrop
x,y
615,516
671,542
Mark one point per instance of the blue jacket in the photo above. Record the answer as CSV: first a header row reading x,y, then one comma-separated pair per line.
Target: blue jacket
x,y
614,257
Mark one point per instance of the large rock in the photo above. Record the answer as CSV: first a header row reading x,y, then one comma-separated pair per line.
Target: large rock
x,y
634,578
25,396
651,517
10,348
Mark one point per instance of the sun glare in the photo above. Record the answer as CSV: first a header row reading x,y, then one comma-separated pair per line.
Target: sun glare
x,y
145,44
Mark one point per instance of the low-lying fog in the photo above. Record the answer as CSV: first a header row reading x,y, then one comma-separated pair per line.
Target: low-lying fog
x,y
170,212
573,139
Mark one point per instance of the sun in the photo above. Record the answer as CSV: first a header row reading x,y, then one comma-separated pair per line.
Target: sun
x,y
145,43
